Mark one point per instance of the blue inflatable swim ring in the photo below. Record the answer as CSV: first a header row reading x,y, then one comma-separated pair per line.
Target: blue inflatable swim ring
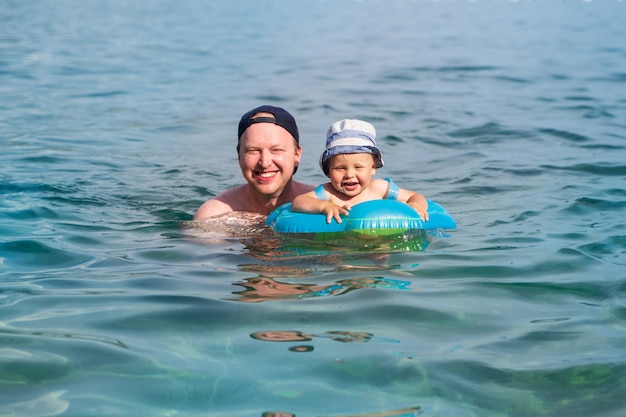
x,y
376,217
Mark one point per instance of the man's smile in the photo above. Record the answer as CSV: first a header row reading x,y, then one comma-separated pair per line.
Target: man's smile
x,y
266,174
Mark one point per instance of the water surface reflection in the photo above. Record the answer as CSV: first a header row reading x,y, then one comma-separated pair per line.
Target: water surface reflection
x,y
264,288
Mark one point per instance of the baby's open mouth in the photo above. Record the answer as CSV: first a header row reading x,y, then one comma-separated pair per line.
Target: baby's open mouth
x,y
350,185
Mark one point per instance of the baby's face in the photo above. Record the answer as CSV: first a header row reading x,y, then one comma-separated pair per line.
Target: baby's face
x,y
351,173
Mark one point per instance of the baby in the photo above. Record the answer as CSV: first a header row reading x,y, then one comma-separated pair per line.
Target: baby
x,y
350,160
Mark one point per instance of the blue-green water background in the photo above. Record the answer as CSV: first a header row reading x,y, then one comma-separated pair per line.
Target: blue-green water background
x,y
118,119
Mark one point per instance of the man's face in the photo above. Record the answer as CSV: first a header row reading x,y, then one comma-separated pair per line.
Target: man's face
x,y
268,156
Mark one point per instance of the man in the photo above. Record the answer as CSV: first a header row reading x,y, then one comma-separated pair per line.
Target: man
x,y
269,154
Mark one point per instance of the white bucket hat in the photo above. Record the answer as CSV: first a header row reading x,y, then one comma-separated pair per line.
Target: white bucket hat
x,y
350,136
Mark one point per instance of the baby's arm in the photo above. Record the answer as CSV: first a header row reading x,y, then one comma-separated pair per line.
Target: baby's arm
x,y
308,203
415,200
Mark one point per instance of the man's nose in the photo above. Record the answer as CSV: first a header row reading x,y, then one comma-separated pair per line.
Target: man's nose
x,y
265,158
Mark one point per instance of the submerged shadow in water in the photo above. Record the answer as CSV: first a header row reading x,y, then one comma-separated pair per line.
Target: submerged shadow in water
x,y
336,335
268,289
404,412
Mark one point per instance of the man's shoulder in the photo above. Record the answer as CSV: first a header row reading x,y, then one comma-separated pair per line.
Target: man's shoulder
x,y
301,188
232,193
235,199
295,189
222,203
210,208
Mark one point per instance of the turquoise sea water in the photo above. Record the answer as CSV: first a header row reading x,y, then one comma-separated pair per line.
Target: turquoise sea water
x,y
118,119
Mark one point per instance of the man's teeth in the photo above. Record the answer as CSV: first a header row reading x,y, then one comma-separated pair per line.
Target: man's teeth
x,y
267,174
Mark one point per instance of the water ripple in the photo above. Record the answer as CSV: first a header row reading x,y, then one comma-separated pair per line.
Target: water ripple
x,y
34,254
601,169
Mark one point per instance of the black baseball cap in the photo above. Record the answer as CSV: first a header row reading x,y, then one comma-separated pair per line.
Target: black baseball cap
x,y
281,118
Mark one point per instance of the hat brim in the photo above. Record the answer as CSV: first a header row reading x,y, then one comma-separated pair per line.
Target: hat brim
x,y
350,149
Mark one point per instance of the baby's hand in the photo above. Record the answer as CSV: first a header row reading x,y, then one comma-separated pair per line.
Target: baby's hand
x,y
332,210
422,209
